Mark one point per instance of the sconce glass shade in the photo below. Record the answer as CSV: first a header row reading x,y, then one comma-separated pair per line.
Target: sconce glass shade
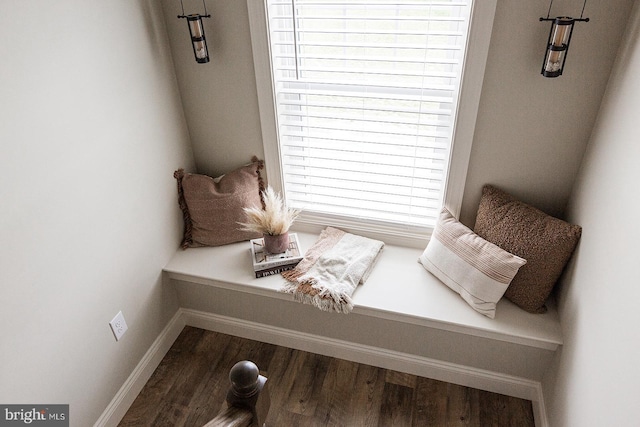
x,y
557,46
558,43
196,29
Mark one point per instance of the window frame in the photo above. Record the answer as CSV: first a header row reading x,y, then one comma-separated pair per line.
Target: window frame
x,y
478,41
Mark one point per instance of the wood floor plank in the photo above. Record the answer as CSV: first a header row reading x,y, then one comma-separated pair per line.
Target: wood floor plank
x,y
401,378
500,410
290,419
520,412
396,407
283,369
430,404
338,385
183,388
205,400
366,397
307,384
459,406
190,384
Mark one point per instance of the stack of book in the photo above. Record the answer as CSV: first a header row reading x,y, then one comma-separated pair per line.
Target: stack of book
x,y
265,264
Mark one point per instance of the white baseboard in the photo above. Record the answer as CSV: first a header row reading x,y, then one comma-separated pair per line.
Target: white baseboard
x,y
539,410
141,374
388,359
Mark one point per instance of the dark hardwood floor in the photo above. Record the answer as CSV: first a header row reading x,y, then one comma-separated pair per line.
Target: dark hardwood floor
x,y
189,387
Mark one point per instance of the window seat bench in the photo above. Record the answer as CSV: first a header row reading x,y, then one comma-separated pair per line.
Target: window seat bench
x,y
403,317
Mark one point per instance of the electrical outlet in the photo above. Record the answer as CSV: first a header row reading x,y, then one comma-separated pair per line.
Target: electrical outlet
x,y
118,326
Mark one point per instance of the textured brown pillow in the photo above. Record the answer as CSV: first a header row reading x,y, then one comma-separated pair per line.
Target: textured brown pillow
x,y
212,207
544,241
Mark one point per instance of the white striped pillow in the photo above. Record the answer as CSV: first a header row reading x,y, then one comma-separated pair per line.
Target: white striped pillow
x,y
476,269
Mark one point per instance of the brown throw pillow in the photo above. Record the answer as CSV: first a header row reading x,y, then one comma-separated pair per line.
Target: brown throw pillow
x,y
544,241
212,207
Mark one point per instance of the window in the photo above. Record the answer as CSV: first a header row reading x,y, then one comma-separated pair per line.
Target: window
x,y
366,122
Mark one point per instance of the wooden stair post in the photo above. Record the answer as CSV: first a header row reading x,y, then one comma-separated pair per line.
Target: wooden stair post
x,y
247,399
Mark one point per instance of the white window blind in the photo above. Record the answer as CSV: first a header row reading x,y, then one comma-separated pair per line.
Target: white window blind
x,y
366,95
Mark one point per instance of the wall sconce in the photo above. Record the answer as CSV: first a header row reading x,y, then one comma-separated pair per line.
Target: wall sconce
x,y
196,29
558,42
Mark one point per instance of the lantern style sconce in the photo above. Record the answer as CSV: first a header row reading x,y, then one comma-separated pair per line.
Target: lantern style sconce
x,y
196,29
558,42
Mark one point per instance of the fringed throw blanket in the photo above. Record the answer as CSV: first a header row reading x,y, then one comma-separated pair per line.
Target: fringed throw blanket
x,y
331,270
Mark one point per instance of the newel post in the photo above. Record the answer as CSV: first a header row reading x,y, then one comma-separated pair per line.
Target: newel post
x,y
249,390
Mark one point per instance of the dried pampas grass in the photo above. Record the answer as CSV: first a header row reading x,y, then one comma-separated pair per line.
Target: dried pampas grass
x,y
275,219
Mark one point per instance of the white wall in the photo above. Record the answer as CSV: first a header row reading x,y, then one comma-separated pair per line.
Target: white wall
x,y
594,381
531,131
91,129
220,99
